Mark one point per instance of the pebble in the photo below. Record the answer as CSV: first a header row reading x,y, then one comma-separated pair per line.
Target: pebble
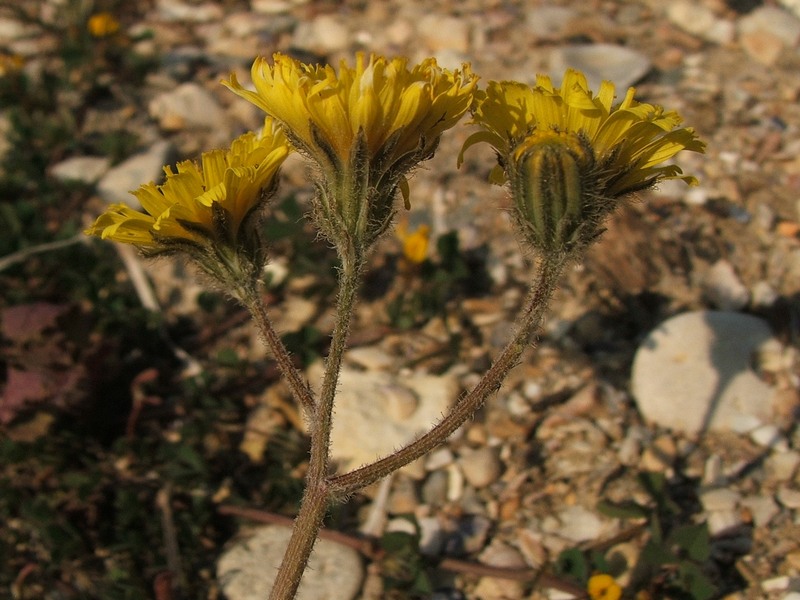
x,y
83,169
361,431
722,522
434,490
618,64
699,20
724,289
371,358
693,372
444,32
480,467
468,536
788,497
769,436
431,536
189,105
323,35
247,569
762,509
782,466
548,22
578,524
719,499
767,32
404,498
116,184
439,459
175,11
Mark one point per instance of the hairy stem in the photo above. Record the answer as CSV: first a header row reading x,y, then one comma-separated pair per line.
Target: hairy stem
x,y
528,322
317,494
254,302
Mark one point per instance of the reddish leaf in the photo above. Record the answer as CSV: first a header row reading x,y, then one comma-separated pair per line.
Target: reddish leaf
x,y
22,389
27,321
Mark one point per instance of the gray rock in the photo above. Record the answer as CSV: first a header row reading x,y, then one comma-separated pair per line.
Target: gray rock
x,y
247,570
323,35
548,22
724,289
693,373
618,64
361,430
83,169
118,182
700,20
188,105
480,467
434,490
431,536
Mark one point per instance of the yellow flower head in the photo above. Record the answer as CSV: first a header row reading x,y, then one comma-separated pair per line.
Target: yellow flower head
x,y
102,24
568,154
205,209
603,587
10,64
366,126
628,142
380,97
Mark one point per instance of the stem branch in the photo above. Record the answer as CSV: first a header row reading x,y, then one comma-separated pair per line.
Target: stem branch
x,y
528,322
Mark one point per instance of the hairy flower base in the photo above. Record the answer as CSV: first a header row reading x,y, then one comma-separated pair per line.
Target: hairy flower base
x,y
210,211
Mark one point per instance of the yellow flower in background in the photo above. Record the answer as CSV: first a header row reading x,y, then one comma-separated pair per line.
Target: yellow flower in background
x,y
569,155
366,126
603,587
205,209
415,245
10,63
102,24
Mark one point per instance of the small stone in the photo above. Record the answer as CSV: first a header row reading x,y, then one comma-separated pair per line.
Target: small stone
x,y
782,466
769,436
324,35
434,490
724,289
431,536
455,483
699,20
780,584
762,509
788,497
694,373
401,403
480,467
579,524
439,458
128,175
618,64
720,499
723,521
188,105
469,536
443,32
83,169
549,22
175,11
773,20
660,455
763,295
404,498
370,358
247,569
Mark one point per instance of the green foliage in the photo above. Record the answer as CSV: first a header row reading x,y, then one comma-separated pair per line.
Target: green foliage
x,y
454,273
673,562
402,566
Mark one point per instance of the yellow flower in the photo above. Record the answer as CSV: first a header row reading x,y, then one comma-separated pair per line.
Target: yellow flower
x,y
568,154
10,63
628,141
603,587
366,127
415,245
102,24
207,210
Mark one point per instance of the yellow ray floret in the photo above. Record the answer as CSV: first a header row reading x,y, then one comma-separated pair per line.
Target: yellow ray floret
x,y
381,97
180,210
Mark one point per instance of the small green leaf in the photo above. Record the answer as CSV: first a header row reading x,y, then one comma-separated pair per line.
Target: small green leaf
x,y
573,564
627,509
693,539
695,582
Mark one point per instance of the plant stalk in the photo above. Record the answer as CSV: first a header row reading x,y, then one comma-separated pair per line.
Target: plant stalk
x,y
317,494
254,302
528,322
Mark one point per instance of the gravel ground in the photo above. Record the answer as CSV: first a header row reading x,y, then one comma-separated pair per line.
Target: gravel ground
x,y
522,481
